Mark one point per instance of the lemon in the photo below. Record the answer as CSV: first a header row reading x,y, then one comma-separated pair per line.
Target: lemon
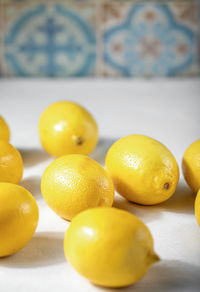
x,y
73,183
110,247
4,130
67,128
11,163
143,170
191,165
197,207
18,218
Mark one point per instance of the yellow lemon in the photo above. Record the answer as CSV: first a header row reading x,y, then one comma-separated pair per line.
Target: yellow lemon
x,y
197,207
4,130
191,165
73,183
11,163
143,170
18,218
110,247
67,128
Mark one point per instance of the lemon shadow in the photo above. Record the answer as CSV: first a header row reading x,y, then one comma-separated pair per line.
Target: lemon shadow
x,y
166,276
32,184
147,213
101,149
44,249
33,156
181,202
170,275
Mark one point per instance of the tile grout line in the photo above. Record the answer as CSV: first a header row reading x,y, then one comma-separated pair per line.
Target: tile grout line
x,y
2,37
198,38
4,63
99,39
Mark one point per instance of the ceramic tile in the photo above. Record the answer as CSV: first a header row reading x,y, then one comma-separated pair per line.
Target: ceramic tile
x,y
58,38
47,2
54,38
198,36
150,39
1,37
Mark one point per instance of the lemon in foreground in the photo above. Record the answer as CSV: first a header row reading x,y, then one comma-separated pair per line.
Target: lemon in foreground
x,y
4,130
110,247
197,208
18,218
11,163
191,166
143,170
73,183
67,128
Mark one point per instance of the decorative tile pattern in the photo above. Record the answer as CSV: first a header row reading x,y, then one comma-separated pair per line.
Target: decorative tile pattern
x,y
50,40
150,39
77,38
1,41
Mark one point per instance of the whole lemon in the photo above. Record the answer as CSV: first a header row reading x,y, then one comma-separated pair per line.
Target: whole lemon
x,y
143,170
197,207
18,218
67,128
11,163
73,183
109,246
191,166
4,130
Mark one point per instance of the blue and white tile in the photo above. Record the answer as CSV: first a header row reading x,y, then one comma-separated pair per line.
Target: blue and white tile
x,y
53,40
198,48
1,37
149,40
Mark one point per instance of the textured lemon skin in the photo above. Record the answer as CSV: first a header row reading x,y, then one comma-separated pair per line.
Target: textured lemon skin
x,y
143,170
73,183
11,163
197,208
18,218
191,166
67,128
4,130
109,246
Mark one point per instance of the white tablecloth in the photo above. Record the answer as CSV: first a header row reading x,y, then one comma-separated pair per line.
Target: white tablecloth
x,y
166,110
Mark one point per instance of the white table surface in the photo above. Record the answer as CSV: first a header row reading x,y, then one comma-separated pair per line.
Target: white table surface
x,y
166,110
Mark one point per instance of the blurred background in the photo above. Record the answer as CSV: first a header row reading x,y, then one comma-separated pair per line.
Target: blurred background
x,y
99,38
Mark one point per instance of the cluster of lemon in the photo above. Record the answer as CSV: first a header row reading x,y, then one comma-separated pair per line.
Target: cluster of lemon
x,y
109,246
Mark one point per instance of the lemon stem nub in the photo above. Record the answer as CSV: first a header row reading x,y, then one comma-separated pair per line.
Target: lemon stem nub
x,y
153,258
78,140
166,186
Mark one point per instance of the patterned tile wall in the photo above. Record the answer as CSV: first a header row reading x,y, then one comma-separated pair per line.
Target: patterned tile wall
x,y
110,38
